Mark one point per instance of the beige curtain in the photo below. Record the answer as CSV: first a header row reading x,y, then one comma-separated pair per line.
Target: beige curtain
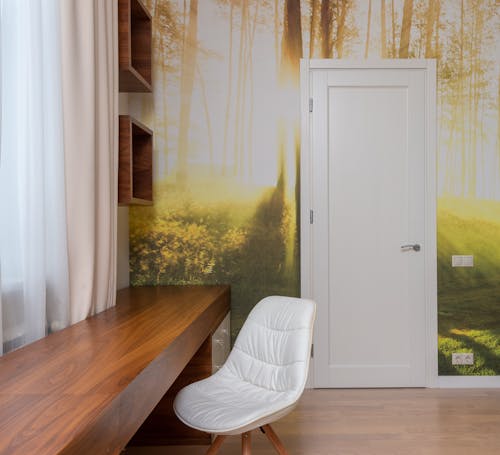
x,y
90,107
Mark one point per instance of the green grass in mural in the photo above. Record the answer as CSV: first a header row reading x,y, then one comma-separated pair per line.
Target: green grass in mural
x,y
183,241
469,298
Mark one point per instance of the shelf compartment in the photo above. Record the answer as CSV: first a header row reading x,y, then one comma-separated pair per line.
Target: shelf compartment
x,y
135,167
134,35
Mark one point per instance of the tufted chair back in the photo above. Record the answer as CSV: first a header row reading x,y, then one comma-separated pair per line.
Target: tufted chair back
x,y
272,350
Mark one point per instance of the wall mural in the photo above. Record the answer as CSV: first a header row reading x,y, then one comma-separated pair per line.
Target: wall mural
x,y
225,111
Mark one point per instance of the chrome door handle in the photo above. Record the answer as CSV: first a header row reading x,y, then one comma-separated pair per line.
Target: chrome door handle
x,y
413,246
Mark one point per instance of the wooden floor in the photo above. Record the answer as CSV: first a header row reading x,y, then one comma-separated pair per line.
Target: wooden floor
x,y
379,422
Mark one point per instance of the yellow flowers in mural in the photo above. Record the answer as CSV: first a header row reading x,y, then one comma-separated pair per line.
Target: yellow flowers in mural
x,y
227,146
177,248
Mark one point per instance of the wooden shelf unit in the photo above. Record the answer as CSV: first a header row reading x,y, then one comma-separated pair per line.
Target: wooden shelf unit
x,y
134,36
135,163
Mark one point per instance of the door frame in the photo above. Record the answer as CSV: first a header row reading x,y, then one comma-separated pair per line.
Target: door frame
x,y
307,201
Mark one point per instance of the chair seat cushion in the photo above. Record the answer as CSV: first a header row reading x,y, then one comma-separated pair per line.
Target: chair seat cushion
x,y
226,404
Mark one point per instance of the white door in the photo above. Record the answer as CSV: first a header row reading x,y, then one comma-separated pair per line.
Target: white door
x,y
370,235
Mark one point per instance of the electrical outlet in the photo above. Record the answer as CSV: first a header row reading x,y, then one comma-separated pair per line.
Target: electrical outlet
x,y
461,260
462,358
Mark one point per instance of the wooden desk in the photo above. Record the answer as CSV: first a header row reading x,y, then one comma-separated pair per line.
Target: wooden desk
x,y
88,388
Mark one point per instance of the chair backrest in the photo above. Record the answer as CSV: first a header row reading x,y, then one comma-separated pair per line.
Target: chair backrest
x,y
273,347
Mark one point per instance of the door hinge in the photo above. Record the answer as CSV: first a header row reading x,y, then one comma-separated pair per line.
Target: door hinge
x,y
311,216
310,104
312,351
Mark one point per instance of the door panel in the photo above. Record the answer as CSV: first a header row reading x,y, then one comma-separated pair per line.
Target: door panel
x,y
368,139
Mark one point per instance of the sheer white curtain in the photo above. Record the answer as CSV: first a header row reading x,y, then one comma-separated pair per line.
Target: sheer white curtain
x,y
33,247
58,161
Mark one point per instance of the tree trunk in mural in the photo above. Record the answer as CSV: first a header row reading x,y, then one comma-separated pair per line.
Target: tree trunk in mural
x,y
291,53
383,31
368,25
249,69
342,8
329,28
240,95
187,82
244,104
461,100
498,134
291,44
473,108
479,96
393,30
438,26
404,43
207,119
313,25
161,126
163,34
497,170
276,31
429,28
229,92
453,103
326,29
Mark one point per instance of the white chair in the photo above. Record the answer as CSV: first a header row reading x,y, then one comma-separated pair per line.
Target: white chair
x,y
262,379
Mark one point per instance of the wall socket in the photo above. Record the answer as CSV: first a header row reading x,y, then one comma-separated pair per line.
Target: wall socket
x,y
462,260
462,358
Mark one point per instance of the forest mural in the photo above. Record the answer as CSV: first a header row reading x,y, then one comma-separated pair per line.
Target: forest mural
x,y
225,112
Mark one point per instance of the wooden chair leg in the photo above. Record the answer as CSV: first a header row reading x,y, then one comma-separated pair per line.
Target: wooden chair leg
x,y
275,441
246,442
214,448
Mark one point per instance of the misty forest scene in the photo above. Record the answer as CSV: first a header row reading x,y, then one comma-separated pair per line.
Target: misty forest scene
x,y
226,119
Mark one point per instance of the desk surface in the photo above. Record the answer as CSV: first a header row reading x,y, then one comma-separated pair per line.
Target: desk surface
x,y
87,388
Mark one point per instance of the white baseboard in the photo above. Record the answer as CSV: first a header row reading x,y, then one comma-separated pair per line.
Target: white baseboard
x,y
467,382
448,382
442,382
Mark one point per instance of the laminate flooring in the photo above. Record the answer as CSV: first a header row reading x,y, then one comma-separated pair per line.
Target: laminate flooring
x,y
377,422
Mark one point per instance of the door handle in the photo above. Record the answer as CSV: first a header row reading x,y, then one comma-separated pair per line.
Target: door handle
x,y
412,246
